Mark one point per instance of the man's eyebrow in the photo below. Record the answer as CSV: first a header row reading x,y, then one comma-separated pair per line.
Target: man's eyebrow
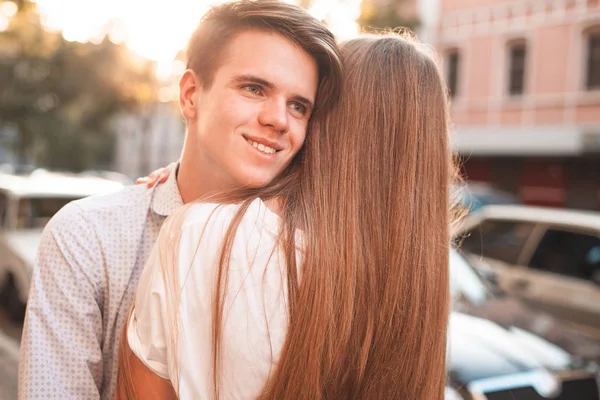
x,y
269,85
253,79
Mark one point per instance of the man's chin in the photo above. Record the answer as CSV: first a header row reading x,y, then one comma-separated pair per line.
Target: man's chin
x,y
258,182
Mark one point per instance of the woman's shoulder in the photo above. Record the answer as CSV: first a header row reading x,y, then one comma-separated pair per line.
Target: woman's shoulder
x,y
212,215
201,213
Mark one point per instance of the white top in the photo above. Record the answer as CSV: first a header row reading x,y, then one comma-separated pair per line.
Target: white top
x,y
255,312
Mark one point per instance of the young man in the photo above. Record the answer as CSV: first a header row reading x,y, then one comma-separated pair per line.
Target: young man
x,y
257,71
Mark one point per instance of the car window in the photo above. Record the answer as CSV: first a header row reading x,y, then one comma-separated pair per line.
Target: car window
x,y
498,239
575,254
36,212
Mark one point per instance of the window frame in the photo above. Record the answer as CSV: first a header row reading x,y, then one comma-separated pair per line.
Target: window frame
x,y
589,34
556,227
587,27
448,54
532,238
508,48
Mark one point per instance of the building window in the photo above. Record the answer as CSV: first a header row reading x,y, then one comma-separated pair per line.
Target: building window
x,y
593,61
452,72
516,72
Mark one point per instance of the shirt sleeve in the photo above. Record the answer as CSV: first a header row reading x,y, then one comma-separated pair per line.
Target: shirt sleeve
x,y
61,355
147,329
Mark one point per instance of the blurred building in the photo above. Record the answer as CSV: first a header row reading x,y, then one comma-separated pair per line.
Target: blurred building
x,y
525,82
148,139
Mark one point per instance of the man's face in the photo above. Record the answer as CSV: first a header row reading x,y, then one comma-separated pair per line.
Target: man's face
x,y
252,120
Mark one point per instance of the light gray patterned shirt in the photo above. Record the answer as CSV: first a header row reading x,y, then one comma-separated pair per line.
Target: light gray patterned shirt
x,y
87,268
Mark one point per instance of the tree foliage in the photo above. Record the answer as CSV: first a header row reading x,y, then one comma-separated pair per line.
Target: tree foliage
x,y
376,15
59,96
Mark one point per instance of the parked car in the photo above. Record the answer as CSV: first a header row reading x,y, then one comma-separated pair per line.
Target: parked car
x,y
550,258
501,349
475,295
492,362
26,204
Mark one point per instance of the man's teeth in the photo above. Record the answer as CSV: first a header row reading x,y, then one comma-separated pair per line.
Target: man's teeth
x,y
262,147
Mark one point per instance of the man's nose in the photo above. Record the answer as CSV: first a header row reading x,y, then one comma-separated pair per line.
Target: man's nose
x,y
275,115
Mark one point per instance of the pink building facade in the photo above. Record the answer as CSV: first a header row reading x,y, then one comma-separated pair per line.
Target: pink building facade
x,y
525,83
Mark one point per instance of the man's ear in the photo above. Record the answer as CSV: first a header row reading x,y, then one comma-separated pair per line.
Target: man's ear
x,y
189,85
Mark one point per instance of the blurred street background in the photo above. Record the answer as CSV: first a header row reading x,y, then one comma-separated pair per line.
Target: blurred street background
x,y
88,93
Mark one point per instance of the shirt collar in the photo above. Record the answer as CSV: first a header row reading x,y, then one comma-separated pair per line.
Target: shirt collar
x,y
166,197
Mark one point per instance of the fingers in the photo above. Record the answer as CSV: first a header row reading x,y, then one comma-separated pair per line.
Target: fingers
x,y
149,181
154,178
160,175
164,175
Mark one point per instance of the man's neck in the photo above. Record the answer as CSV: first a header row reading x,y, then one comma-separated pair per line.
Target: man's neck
x,y
191,189
197,181
188,184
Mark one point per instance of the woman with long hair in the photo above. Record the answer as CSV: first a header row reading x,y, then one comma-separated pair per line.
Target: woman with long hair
x,y
330,283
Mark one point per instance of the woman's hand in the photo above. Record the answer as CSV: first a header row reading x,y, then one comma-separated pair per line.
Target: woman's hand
x,y
159,175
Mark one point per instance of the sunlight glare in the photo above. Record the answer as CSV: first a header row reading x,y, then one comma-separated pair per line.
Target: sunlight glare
x,y
8,9
97,38
167,94
340,16
117,34
159,30
165,70
4,23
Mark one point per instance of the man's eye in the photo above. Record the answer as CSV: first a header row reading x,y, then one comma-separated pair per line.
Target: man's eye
x,y
254,89
299,108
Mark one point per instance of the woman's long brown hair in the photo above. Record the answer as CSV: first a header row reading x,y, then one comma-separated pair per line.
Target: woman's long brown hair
x,y
368,319
368,314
